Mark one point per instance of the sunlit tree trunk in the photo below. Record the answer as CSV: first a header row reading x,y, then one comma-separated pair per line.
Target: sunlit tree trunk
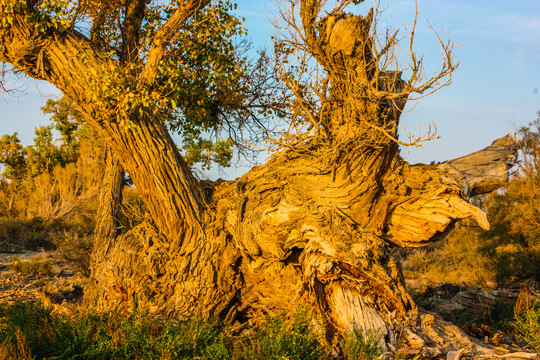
x,y
110,199
107,225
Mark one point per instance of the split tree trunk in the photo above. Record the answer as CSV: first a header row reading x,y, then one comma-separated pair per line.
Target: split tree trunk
x,y
294,232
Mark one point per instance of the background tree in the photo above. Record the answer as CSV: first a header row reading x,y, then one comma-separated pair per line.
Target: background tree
x,y
514,212
312,227
13,157
505,255
47,152
57,174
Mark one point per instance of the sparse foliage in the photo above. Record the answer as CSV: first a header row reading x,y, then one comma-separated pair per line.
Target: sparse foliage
x,y
346,77
527,319
357,346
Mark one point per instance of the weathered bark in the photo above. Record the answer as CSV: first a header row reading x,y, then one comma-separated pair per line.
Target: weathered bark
x,y
306,229
110,199
107,225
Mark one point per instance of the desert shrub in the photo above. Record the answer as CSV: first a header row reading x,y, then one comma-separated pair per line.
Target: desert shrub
x,y
500,315
36,233
13,199
132,210
113,336
75,248
527,318
527,325
192,339
36,266
66,190
33,329
356,346
459,259
27,234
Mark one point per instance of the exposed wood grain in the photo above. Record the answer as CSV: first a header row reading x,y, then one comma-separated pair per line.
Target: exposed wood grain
x,y
485,170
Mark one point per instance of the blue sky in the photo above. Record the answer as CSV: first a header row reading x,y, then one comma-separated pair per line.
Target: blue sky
x,y
495,89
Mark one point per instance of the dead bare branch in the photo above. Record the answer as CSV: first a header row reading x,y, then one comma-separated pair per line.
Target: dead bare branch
x,y
347,78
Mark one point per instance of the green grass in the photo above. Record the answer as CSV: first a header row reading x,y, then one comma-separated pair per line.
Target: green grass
x,y
33,331
527,325
359,347
282,339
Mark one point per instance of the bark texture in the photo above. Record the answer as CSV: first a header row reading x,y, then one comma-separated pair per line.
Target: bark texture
x,y
110,199
287,235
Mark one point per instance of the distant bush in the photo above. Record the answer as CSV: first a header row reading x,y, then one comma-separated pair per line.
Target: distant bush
x,y
26,234
32,331
17,234
460,259
36,266
76,249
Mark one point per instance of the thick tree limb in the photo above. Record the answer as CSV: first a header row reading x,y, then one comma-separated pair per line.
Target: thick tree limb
x,y
134,15
485,170
166,33
432,198
148,154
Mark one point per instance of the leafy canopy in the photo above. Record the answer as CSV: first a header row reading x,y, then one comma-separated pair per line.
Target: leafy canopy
x,y
204,86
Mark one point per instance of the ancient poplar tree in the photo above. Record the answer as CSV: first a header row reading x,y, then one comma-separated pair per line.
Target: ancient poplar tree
x,y
313,227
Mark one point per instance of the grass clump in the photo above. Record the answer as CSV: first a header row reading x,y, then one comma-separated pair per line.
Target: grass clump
x,y
527,318
527,325
280,338
33,331
356,346
35,266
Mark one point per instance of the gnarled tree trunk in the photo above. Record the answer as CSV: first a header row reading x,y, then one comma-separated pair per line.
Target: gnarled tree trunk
x,y
309,228
287,234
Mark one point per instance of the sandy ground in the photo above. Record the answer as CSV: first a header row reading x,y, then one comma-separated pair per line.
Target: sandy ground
x,y
65,285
